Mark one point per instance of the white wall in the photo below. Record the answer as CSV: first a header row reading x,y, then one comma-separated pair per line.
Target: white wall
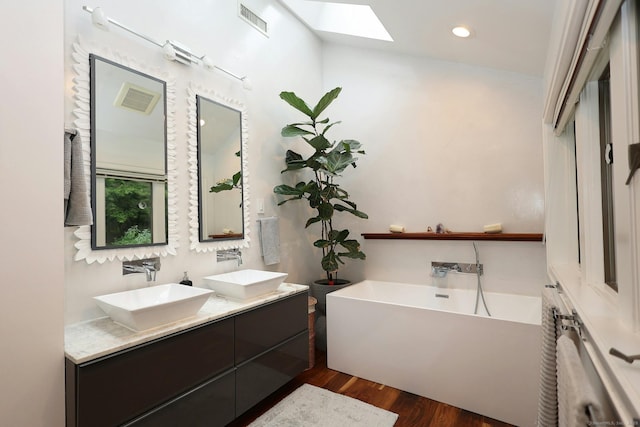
x,y
290,57
31,152
446,143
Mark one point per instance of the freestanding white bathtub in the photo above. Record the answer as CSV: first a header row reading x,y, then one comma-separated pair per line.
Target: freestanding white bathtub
x,y
425,340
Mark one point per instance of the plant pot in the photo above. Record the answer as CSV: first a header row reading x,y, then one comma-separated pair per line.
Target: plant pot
x,y
320,288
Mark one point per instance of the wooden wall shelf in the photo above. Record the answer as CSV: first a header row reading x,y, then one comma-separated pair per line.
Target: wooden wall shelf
x,y
504,237
226,236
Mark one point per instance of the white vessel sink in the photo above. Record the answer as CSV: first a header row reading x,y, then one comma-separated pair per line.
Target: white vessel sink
x,y
245,284
146,308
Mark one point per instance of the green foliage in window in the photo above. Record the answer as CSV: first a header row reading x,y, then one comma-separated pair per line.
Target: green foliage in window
x,y
128,211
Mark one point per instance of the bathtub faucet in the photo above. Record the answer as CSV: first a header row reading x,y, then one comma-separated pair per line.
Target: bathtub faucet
x,y
440,269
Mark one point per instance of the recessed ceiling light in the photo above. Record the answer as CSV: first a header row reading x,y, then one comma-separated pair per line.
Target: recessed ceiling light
x,y
461,32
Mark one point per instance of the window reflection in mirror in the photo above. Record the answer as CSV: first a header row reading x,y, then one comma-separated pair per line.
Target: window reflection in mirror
x,y
128,148
219,171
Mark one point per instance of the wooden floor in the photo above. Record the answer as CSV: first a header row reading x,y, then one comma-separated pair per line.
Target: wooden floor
x,y
413,410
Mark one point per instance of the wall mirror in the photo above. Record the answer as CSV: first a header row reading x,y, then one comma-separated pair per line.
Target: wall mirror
x,y
124,115
219,170
218,137
128,147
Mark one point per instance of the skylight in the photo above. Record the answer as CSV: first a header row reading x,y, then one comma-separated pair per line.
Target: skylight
x,y
342,18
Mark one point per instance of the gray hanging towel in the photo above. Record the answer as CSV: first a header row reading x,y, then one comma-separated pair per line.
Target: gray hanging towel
x,y
77,206
577,402
270,239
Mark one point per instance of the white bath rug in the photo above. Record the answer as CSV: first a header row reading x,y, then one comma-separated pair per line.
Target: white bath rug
x,y
311,406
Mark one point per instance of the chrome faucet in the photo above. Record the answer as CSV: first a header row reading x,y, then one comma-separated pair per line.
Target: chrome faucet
x,y
440,269
229,254
148,266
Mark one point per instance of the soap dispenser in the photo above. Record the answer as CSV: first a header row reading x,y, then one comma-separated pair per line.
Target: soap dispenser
x,y
185,280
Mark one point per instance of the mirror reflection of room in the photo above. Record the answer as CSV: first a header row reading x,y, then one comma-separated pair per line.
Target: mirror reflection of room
x,y
220,171
128,140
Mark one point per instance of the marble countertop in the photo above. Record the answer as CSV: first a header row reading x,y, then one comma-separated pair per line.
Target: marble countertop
x,y
95,338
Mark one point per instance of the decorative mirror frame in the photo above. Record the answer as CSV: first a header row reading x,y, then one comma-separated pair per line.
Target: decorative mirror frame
x,y
82,123
194,205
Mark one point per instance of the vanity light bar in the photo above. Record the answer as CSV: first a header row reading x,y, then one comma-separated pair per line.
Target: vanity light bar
x,y
173,51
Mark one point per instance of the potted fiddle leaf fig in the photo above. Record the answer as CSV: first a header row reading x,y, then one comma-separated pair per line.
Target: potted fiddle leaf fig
x,y
319,186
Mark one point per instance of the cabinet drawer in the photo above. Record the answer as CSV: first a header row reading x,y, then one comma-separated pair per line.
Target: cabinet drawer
x,y
259,377
117,388
268,326
209,405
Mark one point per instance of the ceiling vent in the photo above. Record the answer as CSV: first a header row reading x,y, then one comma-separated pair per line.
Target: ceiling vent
x,y
252,19
136,98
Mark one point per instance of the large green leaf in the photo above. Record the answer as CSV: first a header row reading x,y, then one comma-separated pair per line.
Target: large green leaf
x,y
325,101
312,221
294,166
297,103
342,194
222,186
351,245
328,192
337,162
315,199
342,208
329,127
294,161
321,243
353,255
291,130
316,161
236,178
287,190
349,145
309,123
350,203
338,236
330,261
320,143
325,211
288,200
291,156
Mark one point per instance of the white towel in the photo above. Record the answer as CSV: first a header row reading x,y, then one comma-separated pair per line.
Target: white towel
x,y
77,206
548,395
576,398
270,239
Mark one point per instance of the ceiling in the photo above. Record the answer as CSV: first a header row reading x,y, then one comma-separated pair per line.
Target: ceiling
x,y
506,34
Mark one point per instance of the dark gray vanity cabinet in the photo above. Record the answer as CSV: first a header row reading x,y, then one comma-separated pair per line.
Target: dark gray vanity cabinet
x,y
203,376
208,405
272,347
261,376
117,388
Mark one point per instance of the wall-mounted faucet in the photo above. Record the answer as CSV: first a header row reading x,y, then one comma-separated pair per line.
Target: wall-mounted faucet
x,y
229,254
148,266
440,269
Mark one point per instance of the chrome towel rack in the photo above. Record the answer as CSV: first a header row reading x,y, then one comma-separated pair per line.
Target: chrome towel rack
x,y
568,321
